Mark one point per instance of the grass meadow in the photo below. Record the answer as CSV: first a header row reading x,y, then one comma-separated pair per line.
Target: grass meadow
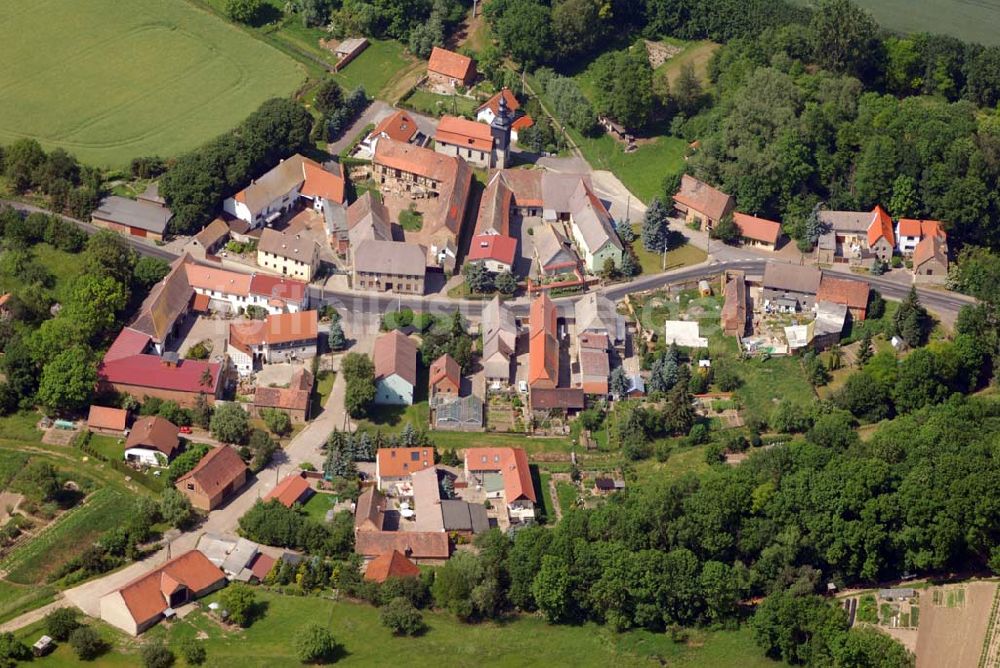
x,y
109,83
522,642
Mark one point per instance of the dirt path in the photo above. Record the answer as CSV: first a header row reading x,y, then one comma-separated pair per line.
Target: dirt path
x,y
32,616
556,509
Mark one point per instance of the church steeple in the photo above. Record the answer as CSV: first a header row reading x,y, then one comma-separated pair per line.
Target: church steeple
x,y
500,128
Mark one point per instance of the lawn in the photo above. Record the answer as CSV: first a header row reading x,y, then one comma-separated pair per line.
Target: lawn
x,y
376,67
765,383
62,266
318,504
434,104
321,391
526,641
969,21
17,599
109,85
568,494
34,561
652,263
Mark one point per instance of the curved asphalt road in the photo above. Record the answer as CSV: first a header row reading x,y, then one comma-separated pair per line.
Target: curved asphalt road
x,y
943,303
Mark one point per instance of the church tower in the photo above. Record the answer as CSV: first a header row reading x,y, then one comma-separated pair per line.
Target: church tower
x,y
500,129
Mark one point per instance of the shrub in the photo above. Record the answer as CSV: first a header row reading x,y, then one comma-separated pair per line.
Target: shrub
x,y
193,652
60,623
87,643
157,655
240,602
400,617
277,421
315,644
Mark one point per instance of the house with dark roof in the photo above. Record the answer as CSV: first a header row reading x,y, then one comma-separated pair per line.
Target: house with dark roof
x,y
389,266
214,479
593,229
448,70
279,191
790,288
146,600
293,254
499,331
700,203
734,307
395,359
210,240
153,441
132,218
554,254
369,512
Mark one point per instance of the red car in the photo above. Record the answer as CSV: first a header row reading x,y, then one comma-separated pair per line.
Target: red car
x,y
185,430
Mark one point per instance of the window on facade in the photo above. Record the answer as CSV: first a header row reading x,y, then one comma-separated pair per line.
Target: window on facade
x,y
190,486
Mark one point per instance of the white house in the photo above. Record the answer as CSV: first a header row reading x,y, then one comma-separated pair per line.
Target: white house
x,y
153,441
395,360
277,191
910,232
593,230
277,338
233,292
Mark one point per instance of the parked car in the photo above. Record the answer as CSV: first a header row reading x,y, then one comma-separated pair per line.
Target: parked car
x,y
522,386
185,430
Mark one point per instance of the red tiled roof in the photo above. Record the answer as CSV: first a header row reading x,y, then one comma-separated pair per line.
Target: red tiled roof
x,y
543,347
322,183
219,467
156,433
449,63
295,397
147,596
275,329
909,227
512,463
287,289
400,126
217,280
880,227
494,102
758,229
522,122
463,132
290,490
492,247
399,462
445,367
852,294
933,247
390,565
413,544
200,303
262,565
101,417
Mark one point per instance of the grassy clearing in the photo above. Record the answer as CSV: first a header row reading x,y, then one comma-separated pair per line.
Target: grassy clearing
x,y
526,641
568,495
178,76
680,463
62,266
652,263
434,104
321,391
698,54
768,382
376,68
318,504
71,533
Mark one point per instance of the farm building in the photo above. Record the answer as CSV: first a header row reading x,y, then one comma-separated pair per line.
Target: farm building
x,y
449,70
153,441
701,203
214,479
132,218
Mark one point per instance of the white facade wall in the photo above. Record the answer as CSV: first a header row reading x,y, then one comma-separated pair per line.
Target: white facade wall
x,y
482,159
146,457
393,390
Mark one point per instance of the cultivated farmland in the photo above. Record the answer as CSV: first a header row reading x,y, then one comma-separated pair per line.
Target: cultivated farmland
x,y
970,21
109,82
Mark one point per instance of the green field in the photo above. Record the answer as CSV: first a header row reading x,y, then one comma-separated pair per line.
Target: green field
x,y
969,21
109,83
526,641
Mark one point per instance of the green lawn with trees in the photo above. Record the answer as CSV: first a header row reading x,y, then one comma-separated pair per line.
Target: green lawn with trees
x,y
178,77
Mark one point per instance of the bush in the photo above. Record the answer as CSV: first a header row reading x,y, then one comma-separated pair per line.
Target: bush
x,y
277,421
315,644
240,602
157,655
87,643
400,617
60,623
193,652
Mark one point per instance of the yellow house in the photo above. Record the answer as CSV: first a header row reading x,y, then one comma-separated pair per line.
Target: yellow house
x,y
294,255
